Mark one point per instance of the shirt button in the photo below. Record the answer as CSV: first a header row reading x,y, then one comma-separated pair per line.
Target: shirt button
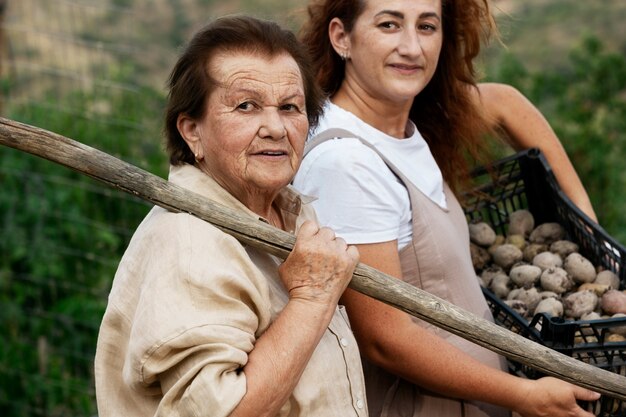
x,y
359,403
344,342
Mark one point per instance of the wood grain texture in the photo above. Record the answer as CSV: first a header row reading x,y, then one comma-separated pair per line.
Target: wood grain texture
x,y
367,280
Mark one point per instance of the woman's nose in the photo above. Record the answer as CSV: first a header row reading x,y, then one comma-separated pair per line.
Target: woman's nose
x,y
410,44
272,126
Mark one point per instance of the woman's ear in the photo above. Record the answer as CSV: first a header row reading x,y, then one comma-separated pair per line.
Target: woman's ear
x,y
190,131
339,38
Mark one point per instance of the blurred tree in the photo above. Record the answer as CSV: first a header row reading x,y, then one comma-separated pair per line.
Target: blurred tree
x,y
63,235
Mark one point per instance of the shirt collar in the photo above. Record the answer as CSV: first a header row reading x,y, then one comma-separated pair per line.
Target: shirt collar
x,y
289,201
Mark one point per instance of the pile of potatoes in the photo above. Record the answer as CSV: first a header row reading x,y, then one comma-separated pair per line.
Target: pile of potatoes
x,y
535,270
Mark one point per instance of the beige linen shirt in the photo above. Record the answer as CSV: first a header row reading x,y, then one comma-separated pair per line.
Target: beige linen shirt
x,y
186,307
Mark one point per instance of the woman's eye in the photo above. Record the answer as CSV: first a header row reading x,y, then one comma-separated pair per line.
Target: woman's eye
x,y
389,25
246,106
427,27
290,107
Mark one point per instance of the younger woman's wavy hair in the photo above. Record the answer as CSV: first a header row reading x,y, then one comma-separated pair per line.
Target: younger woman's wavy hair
x,y
449,120
190,84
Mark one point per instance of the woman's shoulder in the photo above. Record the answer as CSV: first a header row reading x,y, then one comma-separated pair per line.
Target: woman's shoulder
x,y
343,167
343,153
180,230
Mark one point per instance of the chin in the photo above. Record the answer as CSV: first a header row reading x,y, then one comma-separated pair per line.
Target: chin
x,y
273,184
404,93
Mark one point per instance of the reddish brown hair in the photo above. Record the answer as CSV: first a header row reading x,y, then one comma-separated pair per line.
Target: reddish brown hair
x,y
444,111
314,35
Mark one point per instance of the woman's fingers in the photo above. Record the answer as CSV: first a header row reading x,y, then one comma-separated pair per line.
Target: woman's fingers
x,y
320,265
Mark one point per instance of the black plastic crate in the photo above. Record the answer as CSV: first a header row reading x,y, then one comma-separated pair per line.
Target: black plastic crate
x,y
526,181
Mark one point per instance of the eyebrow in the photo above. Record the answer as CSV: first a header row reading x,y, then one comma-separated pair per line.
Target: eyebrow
x,y
400,15
298,95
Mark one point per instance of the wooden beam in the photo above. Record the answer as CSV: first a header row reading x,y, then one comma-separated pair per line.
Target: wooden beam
x,y
133,180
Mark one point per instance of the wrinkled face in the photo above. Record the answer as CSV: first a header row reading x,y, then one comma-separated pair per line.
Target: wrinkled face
x,y
394,48
252,135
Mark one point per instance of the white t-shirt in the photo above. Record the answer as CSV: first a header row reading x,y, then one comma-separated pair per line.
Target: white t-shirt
x,y
359,197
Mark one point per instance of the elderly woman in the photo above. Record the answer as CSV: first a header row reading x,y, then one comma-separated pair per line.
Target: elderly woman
x,y
197,323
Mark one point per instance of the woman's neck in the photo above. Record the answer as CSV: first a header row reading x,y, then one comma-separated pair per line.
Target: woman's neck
x,y
259,201
264,206
385,116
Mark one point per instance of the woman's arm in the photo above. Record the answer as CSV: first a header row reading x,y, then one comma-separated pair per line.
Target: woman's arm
x,y
280,356
315,273
525,127
389,338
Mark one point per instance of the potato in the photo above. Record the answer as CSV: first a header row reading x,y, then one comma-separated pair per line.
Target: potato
x,y
488,273
609,278
521,222
547,233
613,302
482,234
588,331
533,249
525,276
548,294
556,280
491,249
516,240
506,255
501,285
550,306
578,304
599,289
579,268
578,339
499,241
518,306
591,316
480,256
563,248
621,330
614,337
546,260
529,296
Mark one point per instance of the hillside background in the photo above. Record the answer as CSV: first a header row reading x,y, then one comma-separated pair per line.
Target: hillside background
x,y
94,70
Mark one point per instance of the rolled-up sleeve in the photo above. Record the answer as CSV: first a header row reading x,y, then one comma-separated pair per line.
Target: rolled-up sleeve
x,y
202,304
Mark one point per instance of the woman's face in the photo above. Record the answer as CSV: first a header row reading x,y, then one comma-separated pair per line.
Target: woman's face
x,y
252,136
394,48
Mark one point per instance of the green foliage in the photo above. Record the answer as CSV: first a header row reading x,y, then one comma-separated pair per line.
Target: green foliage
x,y
585,102
63,236
540,32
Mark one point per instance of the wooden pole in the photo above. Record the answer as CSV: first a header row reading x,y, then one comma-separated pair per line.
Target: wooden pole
x,y
367,280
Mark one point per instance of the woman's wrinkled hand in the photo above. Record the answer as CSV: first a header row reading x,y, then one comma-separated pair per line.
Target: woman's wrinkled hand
x,y
553,397
319,267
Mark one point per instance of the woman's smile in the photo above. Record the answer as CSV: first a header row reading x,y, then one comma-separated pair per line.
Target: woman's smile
x,y
405,69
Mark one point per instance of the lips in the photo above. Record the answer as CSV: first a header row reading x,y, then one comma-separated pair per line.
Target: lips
x,y
271,153
406,67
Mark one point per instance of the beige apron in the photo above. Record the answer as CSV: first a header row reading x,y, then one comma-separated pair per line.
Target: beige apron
x,y
437,260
